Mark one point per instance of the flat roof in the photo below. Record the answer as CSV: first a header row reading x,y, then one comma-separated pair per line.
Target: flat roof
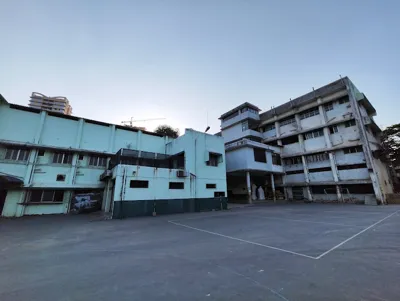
x,y
305,99
243,105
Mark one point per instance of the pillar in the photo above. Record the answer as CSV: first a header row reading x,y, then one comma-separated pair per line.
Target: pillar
x,y
327,136
248,182
301,142
305,168
335,176
273,186
75,156
298,121
277,129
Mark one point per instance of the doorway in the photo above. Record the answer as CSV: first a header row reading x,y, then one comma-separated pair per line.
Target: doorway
x,y
3,195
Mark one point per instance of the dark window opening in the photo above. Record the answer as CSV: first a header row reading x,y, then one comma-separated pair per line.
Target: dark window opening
x,y
320,169
293,172
62,158
138,184
269,127
323,189
37,196
276,159
343,99
259,155
273,143
176,185
16,154
293,160
177,161
333,129
286,121
358,188
352,166
313,134
350,123
309,113
211,186
60,178
354,149
218,194
41,153
214,159
290,140
80,157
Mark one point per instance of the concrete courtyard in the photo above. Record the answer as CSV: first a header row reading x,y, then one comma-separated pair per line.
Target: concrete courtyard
x,y
266,252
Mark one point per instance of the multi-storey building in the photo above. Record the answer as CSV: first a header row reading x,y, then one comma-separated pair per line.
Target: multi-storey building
x,y
46,158
58,104
320,146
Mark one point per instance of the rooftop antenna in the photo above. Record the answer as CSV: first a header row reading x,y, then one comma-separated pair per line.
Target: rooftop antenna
x,y
208,127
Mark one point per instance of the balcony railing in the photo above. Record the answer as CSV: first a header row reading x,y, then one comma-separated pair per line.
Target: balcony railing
x,y
247,142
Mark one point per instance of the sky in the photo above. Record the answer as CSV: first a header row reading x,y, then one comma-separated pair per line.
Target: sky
x,y
191,61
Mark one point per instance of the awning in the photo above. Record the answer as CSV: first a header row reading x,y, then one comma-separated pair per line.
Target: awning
x,y
8,181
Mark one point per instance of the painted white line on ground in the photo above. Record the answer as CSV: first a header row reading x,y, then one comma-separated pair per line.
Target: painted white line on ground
x,y
242,240
254,281
355,235
204,216
337,211
301,220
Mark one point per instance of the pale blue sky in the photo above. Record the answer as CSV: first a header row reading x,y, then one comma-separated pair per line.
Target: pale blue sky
x,y
180,59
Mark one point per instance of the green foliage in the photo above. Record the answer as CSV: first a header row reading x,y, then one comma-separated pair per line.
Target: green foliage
x,y
167,130
391,144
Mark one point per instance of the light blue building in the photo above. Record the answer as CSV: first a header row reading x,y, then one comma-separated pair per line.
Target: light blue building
x,y
46,158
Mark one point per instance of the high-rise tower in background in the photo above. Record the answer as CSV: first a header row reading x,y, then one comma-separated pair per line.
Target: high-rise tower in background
x,y
58,104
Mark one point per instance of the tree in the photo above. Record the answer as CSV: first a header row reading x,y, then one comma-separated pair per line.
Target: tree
x,y
391,150
167,130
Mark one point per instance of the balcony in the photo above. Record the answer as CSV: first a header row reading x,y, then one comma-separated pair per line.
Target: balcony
x,y
249,143
239,117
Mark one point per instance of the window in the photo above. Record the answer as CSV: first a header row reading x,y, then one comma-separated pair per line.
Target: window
x,y
218,194
60,178
352,150
343,99
290,140
46,196
176,185
41,153
97,161
249,109
333,129
269,127
353,166
259,155
16,154
245,126
230,116
211,186
321,169
62,158
293,160
350,123
138,184
323,189
309,113
287,121
80,157
276,159
317,157
328,106
214,159
313,134
293,172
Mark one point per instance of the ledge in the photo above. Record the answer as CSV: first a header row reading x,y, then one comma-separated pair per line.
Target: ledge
x,y
40,203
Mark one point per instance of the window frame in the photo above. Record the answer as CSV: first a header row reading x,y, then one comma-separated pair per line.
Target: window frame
x,y
211,186
139,184
261,153
350,123
328,106
66,158
309,113
57,196
17,154
176,185
95,161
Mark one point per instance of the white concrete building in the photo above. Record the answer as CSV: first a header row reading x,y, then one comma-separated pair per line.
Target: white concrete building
x,y
326,139
47,158
57,104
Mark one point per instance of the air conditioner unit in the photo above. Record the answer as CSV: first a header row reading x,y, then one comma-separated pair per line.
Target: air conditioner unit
x,y
181,173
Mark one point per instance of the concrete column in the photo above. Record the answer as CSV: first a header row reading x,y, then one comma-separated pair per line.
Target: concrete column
x,y
327,136
39,132
322,112
273,186
305,168
301,142
298,121
279,142
277,129
248,182
339,194
75,157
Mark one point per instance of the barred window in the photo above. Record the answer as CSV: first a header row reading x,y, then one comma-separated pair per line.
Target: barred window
x,y
287,121
97,161
313,134
16,154
309,113
328,106
62,158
